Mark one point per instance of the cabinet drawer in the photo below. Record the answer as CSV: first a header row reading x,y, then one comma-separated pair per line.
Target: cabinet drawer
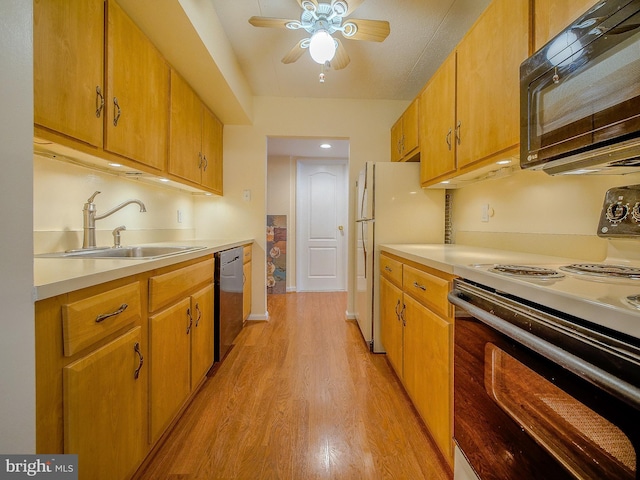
x,y
246,253
428,289
87,321
166,288
391,269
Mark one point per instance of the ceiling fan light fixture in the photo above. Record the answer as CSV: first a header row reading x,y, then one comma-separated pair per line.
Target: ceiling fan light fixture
x,y
322,47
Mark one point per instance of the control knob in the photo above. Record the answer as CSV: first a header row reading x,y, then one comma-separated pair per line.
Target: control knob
x,y
635,212
617,212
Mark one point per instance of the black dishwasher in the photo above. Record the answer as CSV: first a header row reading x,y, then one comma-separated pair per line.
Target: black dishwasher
x,y
228,300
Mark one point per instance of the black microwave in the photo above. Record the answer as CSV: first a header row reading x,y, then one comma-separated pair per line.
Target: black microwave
x,y
580,95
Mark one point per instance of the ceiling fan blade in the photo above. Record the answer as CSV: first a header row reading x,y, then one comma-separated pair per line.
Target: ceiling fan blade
x,y
352,5
369,30
341,58
270,22
296,52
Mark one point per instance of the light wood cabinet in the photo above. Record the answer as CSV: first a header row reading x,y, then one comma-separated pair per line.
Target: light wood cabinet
x,y
68,71
417,333
137,102
404,135
195,140
91,378
246,281
486,81
116,362
104,411
552,16
179,336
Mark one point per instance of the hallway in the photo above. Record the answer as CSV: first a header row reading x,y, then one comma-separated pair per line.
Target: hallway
x,y
299,397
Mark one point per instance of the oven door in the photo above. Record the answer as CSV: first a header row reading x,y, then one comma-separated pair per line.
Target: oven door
x,y
528,402
581,92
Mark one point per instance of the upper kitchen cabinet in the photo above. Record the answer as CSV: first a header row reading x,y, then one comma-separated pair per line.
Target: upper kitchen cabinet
x,y
137,104
404,135
195,141
479,82
68,71
488,82
551,16
437,135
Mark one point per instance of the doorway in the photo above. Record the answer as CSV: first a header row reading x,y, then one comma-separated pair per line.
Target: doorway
x,y
284,154
321,234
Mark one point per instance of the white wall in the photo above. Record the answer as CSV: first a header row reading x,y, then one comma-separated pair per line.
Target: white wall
x,y
365,123
555,215
17,352
61,190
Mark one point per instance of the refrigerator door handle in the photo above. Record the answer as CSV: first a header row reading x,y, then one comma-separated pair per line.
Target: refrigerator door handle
x,y
362,220
364,249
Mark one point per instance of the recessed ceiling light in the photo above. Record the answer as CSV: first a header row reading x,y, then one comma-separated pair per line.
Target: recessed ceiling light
x,y
164,179
325,145
503,162
445,182
115,165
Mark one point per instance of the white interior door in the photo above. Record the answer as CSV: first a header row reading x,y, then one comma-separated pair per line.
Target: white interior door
x,y
321,225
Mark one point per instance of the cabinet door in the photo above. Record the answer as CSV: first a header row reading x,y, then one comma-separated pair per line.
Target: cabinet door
x,y
138,77
104,411
391,324
68,49
488,91
410,130
552,16
396,141
185,154
201,334
169,341
437,124
246,290
212,151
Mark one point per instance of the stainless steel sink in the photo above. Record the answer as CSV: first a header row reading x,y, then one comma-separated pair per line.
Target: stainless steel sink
x,y
133,252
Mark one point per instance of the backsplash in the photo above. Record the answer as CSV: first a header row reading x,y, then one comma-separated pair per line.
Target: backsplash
x,y
533,212
61,190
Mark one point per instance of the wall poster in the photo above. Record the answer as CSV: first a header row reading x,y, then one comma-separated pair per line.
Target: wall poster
x,y
276,254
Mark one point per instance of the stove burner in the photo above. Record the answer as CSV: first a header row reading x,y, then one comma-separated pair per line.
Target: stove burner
x,y
526,271
604,270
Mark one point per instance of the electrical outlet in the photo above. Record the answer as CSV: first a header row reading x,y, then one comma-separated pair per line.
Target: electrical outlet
x,y
179,216
485,212
246,195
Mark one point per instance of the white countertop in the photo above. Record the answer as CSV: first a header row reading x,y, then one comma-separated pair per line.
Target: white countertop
x,y
55,276
450,258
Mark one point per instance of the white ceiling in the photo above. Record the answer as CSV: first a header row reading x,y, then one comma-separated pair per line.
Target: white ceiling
x,y
423,33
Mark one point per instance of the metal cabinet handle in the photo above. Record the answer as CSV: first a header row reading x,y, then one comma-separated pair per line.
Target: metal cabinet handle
x,y
104,316
448,138
398,312
136,348
458,132
404,319
99,101
199,314
206,163
190,320
421,287
116,111
388,269
199,160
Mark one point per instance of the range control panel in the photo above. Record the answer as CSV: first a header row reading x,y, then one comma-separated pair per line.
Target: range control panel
x,y
620,215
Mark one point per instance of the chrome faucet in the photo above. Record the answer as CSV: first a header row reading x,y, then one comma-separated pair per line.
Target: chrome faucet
x,y
90,217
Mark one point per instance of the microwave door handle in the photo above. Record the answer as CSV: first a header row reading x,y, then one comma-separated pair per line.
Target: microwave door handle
x,y
583,369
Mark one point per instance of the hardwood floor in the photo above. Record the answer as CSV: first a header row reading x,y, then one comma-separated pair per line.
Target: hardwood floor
x,y
299,397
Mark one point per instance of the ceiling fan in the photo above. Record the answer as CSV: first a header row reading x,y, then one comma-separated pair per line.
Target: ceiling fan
x,y
321,20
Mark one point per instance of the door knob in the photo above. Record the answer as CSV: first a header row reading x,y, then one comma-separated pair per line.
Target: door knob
x,y
340,227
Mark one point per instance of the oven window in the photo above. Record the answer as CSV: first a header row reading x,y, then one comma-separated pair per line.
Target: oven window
x,y
590,97
584,442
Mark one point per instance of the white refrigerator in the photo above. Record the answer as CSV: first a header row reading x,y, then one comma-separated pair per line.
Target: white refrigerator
x,y
391,207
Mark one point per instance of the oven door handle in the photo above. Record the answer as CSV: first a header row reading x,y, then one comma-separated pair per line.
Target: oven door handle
x,y
622,390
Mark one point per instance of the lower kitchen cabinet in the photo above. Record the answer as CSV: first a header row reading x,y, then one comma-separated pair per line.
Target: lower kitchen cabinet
x,y
179,336
246,282
417,334
104,409
117,362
